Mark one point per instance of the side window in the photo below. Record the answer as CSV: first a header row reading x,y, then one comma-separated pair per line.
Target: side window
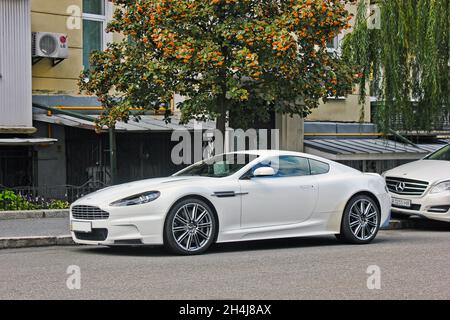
x,y
286,166
318,167
94,23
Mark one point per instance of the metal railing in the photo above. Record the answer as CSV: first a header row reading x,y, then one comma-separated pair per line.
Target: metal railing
x,y
397,122
68,193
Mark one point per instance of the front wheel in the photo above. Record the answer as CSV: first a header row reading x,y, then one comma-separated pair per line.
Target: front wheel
x,y
190,227
361,220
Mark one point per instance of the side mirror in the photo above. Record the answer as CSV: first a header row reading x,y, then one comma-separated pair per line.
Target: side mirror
x,y
264,172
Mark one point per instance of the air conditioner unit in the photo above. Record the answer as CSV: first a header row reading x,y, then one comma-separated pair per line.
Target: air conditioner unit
x,y
49,45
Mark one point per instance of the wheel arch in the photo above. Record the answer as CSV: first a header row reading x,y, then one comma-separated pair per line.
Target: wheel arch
x,y
199,197
360,193
366,193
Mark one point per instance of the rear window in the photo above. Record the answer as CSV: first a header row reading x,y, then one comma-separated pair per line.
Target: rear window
x,y
318,167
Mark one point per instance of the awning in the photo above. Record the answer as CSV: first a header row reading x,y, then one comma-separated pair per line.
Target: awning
x,y
367,149
146,123
26,141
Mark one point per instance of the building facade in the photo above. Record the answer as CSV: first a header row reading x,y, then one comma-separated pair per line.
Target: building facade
x,y
54,145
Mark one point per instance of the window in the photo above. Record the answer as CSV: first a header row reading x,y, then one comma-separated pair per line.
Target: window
x,y
94,24
441,154
96,7
334,49
333,45
217,167
318,167
286,166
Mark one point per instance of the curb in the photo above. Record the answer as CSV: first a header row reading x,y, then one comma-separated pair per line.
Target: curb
x,y
23,242
34,214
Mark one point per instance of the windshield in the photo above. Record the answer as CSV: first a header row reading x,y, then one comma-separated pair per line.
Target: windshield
x,y
441,154
218,166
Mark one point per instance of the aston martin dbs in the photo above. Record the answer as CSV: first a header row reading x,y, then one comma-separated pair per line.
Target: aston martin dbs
x,y
239,196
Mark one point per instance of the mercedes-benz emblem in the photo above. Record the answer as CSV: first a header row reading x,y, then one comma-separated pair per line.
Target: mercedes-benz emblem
x,y
400,186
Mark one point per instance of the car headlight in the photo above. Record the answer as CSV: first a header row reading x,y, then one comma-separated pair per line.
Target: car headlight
x,y
137,199
441,187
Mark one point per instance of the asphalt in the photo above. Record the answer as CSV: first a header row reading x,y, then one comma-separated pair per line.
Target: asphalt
x,y
413,265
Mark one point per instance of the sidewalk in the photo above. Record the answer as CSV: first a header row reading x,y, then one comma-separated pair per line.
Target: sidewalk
x,y
34,232
34,227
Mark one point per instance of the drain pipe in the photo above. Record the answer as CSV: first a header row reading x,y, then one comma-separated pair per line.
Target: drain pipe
x,y
65,112
112,155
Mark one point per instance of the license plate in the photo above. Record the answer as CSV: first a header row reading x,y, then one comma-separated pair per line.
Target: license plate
x,y
401,202
81,226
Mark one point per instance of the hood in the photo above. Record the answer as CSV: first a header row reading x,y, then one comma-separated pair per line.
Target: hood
x,y
425,170
124,190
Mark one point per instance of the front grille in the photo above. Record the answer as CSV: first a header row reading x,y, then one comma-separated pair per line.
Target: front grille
x,y
95,235
415,207
89,213
406,186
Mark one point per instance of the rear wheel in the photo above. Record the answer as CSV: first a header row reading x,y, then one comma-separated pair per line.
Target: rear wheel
x,y
190,227
361,220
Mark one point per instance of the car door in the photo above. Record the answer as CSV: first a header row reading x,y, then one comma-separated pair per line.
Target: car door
x,y
288,197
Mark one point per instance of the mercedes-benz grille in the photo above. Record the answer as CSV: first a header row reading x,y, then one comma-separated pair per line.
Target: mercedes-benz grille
x,y
406,186
89,213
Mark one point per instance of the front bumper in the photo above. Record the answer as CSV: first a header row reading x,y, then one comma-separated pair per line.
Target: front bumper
x,y
141,224
385,203
432,206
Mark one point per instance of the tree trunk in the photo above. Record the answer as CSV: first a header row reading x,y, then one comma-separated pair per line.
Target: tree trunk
x,y
221,124
221,118
222,110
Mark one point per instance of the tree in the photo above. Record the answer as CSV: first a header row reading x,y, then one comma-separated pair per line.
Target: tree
x,y
228,57
406,60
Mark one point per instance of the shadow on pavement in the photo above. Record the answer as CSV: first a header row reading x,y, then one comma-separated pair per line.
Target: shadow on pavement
x,y
423,224
244,246
430,225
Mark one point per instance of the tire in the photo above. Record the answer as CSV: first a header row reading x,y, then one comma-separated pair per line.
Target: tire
x,y
191,227
360,221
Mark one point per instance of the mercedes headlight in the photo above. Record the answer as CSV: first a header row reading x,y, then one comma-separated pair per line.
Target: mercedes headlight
x,y
441,187
137,199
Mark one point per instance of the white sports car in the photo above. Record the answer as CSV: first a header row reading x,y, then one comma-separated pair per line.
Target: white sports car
x,y
240,196
422,187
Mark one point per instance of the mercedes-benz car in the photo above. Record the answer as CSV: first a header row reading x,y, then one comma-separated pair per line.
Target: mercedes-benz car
x,y
422,187
239,196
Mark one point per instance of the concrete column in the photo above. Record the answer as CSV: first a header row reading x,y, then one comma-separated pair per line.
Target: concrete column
x,y
51,160
291,132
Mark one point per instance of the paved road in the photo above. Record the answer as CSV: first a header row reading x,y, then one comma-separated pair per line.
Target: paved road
x,y
34,227
414,264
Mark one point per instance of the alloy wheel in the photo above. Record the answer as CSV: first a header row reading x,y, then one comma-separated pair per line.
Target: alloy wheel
x,y
192,226
363,219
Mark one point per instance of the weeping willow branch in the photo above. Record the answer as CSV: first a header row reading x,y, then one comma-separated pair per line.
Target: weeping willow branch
x,y
406,61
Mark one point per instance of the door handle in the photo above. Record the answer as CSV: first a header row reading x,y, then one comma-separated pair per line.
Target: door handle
x,y
306,186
